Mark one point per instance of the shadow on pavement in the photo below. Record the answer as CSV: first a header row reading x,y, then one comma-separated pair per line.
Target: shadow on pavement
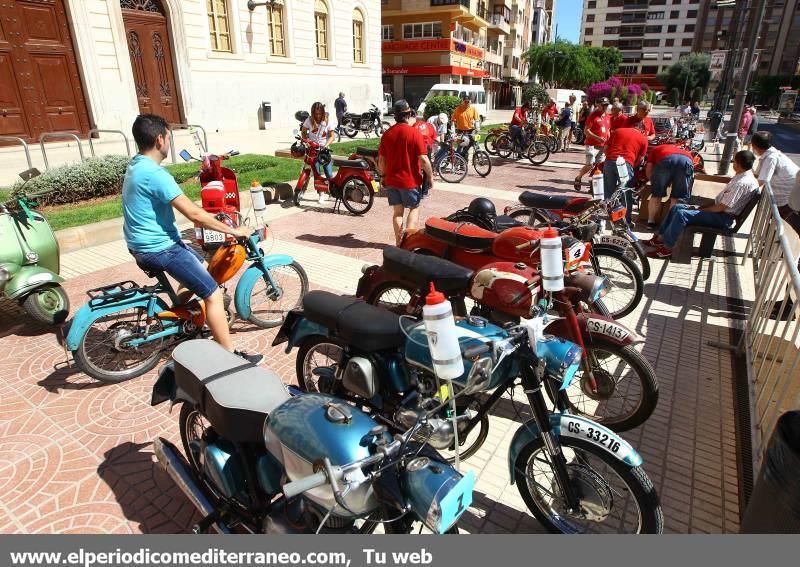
x,y
348,240
69,377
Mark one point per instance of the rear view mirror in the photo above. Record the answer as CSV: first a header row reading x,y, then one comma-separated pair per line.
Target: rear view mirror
x,y
29,174
186,155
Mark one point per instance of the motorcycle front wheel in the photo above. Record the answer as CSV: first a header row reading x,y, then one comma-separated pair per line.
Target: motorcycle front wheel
x,y
48,305
614,497
626,286
482,163
267,308
103,354
357,196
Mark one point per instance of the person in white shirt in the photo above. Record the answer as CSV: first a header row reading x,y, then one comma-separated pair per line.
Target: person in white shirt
x,y
727,205
440,123
776,168
317,129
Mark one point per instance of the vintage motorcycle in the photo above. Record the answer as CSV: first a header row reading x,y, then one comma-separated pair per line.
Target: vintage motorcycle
x,y
29,259
260,460
352,185
575,475
615,384
367,122
124,328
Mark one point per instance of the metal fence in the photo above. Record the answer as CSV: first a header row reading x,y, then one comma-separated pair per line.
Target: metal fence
x,y
771,341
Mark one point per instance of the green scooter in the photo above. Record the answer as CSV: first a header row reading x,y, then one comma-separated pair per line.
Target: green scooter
x,y
29,259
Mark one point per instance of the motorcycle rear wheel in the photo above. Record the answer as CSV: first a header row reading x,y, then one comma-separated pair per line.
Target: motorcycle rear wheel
x,y
349,128
357,197
120,325
319,353
394,296
596,475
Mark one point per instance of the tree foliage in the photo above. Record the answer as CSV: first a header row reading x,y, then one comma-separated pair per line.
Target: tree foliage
x,y
439,104
768,87
690,72
536,95
613,87
566,65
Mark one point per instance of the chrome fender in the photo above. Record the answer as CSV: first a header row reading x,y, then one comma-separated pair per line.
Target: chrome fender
x,y
251,275
95,309
567,425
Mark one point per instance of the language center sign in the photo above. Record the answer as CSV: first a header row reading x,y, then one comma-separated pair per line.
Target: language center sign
x,y
423,45
420,70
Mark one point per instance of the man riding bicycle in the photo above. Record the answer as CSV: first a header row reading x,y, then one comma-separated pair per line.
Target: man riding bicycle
x,y
518,122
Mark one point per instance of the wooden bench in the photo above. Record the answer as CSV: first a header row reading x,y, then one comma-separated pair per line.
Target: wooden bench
x,y
684,248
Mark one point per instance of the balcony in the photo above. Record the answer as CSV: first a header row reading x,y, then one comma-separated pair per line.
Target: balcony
x,y
499,23
437,3
493,57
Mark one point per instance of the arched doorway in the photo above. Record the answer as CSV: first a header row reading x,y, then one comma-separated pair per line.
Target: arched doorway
x,y
150,49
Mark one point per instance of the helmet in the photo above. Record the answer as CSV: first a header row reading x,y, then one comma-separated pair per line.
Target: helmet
x,y
324,157
482,208
298,149
443,118
301,115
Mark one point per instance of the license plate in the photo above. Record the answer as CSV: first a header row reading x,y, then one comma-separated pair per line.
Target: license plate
x,y
607,328
212,236
375,186
456,501
614,241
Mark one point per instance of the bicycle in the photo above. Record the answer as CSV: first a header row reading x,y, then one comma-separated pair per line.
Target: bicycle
x,y
533,148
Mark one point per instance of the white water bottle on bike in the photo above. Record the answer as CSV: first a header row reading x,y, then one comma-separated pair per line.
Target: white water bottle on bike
x,y
598,186
440,327
622,171
552,260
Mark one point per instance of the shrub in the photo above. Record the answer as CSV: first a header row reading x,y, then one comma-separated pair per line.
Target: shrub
x,y
697,94
536,95
246,163
439,104
676,96
95,177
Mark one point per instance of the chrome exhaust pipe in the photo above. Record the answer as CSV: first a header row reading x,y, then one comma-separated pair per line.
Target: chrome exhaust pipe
x,y
175,466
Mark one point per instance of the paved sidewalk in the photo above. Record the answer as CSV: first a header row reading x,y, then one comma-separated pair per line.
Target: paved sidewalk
x,y
75,455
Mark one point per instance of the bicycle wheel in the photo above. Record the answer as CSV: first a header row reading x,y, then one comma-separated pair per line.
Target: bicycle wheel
x,y
452,168
504,146
357,196
482,163
268,306
538,153
489,143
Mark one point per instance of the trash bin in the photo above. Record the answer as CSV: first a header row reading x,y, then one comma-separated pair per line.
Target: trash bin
x,y
266,111
774,506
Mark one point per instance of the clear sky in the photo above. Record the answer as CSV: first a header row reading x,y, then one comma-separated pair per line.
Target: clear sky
x,y
568,18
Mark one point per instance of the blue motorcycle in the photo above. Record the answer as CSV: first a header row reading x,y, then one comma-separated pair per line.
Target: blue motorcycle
x,y
261,460
575,475
124,328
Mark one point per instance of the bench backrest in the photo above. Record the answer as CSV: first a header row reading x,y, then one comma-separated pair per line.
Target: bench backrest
x,y
751,204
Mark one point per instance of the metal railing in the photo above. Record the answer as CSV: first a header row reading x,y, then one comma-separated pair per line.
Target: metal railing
x,y
49,135
771,340
24,145
173,127
120,132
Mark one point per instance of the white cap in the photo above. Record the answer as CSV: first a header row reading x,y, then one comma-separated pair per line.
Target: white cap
x,y
443,118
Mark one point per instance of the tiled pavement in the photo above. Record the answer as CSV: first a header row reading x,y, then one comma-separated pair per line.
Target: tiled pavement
x,y
75,455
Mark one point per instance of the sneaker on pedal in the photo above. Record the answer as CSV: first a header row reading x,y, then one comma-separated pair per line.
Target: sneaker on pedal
x,y
252,358
323,198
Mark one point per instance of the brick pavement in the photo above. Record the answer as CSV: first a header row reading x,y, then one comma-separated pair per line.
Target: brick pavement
x,y
75,455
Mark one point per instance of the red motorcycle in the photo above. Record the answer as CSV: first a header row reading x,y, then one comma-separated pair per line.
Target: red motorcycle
x,y
219,194
352,185
615,386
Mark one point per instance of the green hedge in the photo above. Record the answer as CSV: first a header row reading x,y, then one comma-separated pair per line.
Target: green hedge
x,y
90,179
439,104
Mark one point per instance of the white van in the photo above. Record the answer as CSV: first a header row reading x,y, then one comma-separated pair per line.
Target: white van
x,y
561,96
476,93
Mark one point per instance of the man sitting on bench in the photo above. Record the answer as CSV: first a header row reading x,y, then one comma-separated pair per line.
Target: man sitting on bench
x,y
722,214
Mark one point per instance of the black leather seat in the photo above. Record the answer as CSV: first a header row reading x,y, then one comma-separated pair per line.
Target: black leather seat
x,y
369,152
235,396
504,222
354,163
423,269
555,202
364,326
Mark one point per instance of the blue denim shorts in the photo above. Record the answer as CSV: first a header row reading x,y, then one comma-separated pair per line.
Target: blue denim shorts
x,y
409,198
183,264
676,170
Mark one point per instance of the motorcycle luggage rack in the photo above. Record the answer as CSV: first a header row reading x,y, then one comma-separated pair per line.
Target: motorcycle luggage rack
x,y
107,292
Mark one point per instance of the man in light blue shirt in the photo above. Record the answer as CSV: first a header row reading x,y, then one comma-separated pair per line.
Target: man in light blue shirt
x,y
149,195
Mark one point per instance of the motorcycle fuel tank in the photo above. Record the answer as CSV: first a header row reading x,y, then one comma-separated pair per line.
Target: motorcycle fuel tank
x,y
471,331
508,287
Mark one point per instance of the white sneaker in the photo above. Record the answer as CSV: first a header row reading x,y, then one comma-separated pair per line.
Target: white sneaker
x,y
323,198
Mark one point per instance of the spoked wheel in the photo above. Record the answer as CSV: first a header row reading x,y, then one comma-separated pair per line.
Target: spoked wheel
x,y
626,285
489,144
104,352
522,215
357,197
638,254
469,444
349,128
383,127
318,360
452,168
482,163
538,152
504,146
270,303
627,388
394,296
613,497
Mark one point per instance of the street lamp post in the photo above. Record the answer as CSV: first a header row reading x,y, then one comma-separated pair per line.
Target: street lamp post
x,y
553,55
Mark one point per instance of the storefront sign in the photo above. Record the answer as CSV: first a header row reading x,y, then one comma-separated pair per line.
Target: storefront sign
x,y
787,102
422,45
717,64
435,70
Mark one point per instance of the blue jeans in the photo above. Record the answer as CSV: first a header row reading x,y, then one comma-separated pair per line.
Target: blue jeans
x,y
444,151
328,169
516,135
610,181
183,264
680,216
676,170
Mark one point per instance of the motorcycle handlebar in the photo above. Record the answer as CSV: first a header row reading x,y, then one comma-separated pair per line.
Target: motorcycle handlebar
x,y
297,487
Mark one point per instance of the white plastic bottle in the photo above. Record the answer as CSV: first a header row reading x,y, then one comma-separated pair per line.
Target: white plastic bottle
x,y
598,186
622,171
440,327
257,197
552,261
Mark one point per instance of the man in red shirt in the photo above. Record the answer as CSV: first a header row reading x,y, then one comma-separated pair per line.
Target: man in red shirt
x,y
642,121
518,122
618,117
667,164
549,112
596,130
631,145
428,132
402,159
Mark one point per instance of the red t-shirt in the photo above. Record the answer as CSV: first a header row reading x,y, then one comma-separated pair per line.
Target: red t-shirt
x,y
646,124
629,143
401,147
661,151
598,124
618,121
428,132
549,111
520,117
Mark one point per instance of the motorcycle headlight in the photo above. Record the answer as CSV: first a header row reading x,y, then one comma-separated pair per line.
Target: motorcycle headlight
x,y
592,287
32,256
562,358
